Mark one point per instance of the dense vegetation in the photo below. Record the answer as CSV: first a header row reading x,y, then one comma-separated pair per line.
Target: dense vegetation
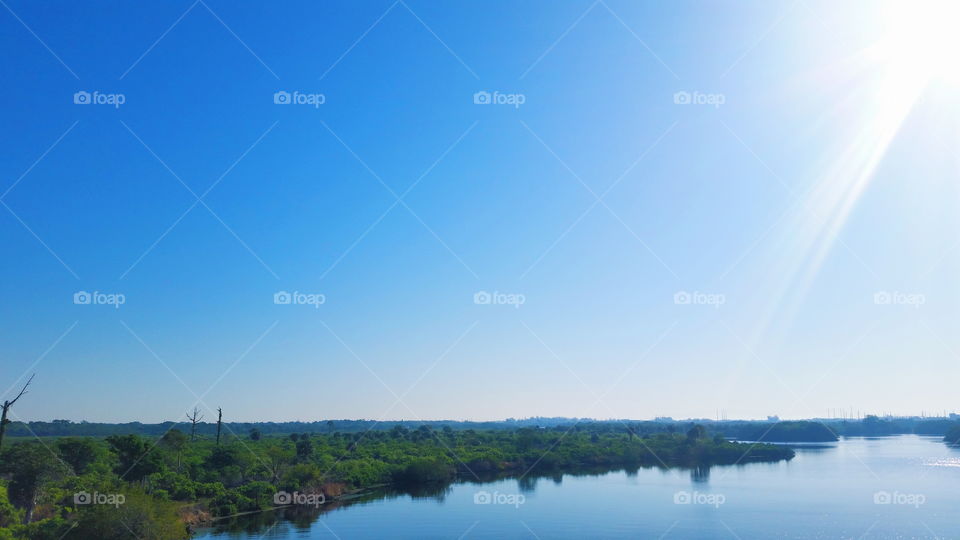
x,y
155,487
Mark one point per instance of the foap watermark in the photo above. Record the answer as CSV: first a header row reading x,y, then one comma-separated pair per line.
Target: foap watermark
x,y
484,298
895,497
110,499
299,298
497,98
697,298
98,98
684,97
282,97
897,298
510,499
97,298
695,497
284,498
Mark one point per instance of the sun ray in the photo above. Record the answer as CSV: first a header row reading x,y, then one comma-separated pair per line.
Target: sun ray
x,y
876,90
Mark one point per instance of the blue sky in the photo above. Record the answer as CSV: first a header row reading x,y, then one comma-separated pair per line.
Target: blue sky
x,y
594,202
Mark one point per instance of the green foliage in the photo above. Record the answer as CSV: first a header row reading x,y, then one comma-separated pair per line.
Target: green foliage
x,y
48,529
304,448
158,475
250,497
953,435
9,515
79,453
135,458
261,493
300,477
31,466
223,457
177,486
140,516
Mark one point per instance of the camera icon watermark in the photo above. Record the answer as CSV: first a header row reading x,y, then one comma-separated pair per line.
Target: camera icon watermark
x,y
895,497
510,499
283,298
284,498
282,97
497,98
111,499
83,298
96,97
684,97
697,298
897,298
695,497
484,298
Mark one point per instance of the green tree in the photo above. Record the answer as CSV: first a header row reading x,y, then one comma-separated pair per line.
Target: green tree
x,y
697,432
304,449
277,459
175,441
224,456
31,466
135,459
301,476
80,453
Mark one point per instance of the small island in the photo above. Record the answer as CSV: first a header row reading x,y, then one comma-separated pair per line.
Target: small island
x,y
161,487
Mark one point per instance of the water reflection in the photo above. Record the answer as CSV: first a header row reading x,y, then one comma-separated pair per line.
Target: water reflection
x,y
700,474
281,522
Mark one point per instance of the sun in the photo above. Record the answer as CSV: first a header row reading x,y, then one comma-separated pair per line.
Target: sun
x,y
900,49
921,39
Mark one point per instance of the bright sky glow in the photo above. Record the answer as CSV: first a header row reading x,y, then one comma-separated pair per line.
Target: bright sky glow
x,y
747,207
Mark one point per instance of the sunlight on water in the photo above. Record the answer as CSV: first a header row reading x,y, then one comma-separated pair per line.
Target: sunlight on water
x,y
952,462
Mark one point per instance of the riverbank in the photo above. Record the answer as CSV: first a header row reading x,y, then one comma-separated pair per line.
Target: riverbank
x,y
175,483
765,500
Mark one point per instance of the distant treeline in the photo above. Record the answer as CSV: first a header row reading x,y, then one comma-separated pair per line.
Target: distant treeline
x,y
874,426
63,428
780,431
794,431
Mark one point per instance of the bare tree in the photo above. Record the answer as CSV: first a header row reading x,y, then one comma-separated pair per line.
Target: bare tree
x,y
219,423
6,407
194,417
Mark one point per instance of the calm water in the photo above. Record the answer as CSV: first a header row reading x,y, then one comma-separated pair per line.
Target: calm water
x,y
824,492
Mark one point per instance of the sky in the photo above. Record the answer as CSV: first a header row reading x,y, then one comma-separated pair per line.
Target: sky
x,y
425,210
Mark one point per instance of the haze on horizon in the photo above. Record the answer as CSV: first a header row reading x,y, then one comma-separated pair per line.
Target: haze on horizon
x,y
746,207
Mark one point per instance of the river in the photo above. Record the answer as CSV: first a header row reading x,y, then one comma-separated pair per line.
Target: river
x,y
903,487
